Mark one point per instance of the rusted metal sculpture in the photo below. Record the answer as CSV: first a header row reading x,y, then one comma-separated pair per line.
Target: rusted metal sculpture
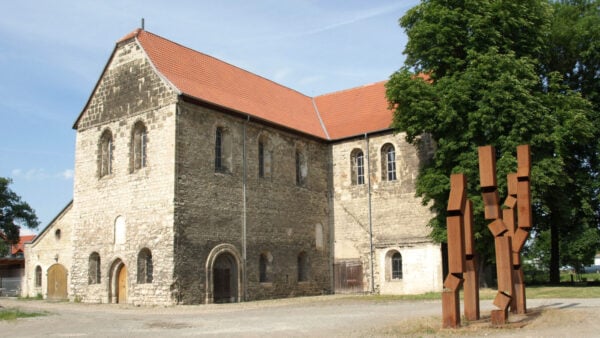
x,y
471,276
456,251
520,188
502,239
510,227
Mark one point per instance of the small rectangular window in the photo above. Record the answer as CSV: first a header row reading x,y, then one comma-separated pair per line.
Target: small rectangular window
x,y
360,169
261,160
391,165
218,150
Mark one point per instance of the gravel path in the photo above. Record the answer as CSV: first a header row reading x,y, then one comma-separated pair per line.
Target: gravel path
x,y
325,316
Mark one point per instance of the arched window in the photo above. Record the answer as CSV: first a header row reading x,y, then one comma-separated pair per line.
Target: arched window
x,y
396,266
94,268
264,266
144,266
105,154
301,167
302,267
222,150
388,162
264,158
38,276
120,231
357,160
139,143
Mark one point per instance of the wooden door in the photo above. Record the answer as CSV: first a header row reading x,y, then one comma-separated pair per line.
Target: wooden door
x,y
348,277
222,285
122,286
57,282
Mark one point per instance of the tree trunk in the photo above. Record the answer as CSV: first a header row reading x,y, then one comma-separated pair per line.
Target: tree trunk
x,y
554,251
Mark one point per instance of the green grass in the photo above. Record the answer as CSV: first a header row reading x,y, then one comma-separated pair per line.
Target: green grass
x,y
583,277
12,314
562,291
37,297
531,292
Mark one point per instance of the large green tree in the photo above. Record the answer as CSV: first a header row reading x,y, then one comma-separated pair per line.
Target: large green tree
x,y
14,213
490,81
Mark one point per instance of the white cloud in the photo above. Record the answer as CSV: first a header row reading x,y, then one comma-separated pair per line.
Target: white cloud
x,y
67,174
41,174
281,74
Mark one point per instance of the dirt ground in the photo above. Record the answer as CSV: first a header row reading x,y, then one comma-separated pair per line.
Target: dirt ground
x,y
325,316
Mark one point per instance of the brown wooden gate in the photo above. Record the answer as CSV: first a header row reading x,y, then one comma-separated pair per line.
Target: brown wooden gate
x,y
57,282
348,277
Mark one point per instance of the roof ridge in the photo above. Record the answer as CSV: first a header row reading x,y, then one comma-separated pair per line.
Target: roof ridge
x,y
220,60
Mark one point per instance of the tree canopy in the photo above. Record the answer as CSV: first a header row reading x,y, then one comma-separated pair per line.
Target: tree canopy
x,y
14,213
493,76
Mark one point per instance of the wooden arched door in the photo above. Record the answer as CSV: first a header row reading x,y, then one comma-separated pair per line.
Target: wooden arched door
x,y
57,282
122,285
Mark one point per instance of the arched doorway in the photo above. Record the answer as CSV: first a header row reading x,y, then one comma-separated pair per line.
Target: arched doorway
x,y
224,275
122,285
225,279
57,282
118,282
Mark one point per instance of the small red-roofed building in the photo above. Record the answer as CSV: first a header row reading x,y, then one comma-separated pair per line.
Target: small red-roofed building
x,y
197,181
12,266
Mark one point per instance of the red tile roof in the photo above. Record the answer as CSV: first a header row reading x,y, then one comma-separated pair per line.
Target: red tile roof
x,y
332,116
19,247
355,111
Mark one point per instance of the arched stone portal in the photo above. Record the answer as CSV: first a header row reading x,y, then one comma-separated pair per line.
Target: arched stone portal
x,y
117,290
224,273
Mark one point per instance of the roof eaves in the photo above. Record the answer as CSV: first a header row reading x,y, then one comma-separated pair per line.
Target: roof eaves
x,y
61,213
373,132
200,101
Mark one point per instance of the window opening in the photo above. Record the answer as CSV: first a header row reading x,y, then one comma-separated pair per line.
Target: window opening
x,y
139,146
261,159
106,154
144,274
94,269
397,266
38,276
219,149
388,165
302,267
358,167
262,268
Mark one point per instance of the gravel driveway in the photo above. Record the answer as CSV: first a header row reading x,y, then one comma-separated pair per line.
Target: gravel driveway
x,y
324,316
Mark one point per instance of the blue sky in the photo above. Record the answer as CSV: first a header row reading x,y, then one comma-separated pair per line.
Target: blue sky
x,y
53,52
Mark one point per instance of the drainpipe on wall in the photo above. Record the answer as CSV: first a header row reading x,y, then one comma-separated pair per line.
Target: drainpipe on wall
x,y
370,218
244,171
175,209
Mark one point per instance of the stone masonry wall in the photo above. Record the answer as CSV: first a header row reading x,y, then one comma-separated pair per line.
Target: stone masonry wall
x,y
399,220
282,219
140,201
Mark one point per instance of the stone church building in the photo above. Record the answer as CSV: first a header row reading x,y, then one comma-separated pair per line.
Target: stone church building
x,y
199,182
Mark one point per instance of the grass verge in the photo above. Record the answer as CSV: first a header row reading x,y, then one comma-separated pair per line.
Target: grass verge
x,y
12,314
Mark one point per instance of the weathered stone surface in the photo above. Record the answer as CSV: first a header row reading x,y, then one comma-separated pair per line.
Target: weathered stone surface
x,y
398,219
192,217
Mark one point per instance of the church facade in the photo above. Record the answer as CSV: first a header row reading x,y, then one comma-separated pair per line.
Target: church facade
x,y
199,182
